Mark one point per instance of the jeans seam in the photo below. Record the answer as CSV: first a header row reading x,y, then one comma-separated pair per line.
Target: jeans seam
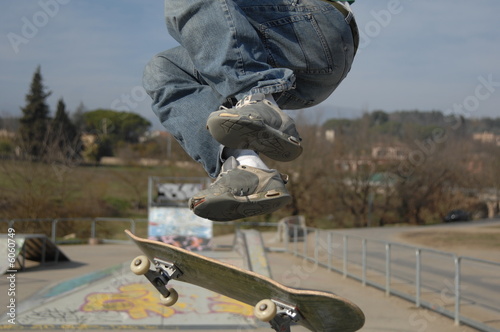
x,y
323,42
232,29
265,40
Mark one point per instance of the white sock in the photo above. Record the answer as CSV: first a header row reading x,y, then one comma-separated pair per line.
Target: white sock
x,y
251,160
245,157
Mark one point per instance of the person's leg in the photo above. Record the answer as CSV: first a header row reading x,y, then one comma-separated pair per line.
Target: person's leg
x,y
180,110
182,101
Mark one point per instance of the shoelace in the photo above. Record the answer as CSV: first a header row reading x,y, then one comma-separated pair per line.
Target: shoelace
x,y
245,101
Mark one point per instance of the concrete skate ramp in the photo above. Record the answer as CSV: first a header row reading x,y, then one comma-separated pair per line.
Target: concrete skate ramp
x,y
250,245
117,298
33,247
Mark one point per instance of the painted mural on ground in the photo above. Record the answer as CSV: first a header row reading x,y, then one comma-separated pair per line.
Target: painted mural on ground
x,y
139,301
122,300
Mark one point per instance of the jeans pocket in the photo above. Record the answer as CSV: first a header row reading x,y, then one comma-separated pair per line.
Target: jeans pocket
x,y
299,43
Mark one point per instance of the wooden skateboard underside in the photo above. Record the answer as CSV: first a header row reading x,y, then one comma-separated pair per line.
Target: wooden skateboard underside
x,y
320,311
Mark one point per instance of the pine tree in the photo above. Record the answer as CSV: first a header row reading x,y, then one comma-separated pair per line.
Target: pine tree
x,y
78,117
35,119
64,134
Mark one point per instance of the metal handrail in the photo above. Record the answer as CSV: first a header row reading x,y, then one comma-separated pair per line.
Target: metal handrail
x,y
455,314
92,225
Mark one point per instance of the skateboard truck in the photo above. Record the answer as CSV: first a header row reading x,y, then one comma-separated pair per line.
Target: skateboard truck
x,y
280,315
159,278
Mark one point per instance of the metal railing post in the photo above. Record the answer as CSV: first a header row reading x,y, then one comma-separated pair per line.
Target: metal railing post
x,y
54,230
330,251
387,269
286,238
457,290
132,226
316,246
92,229
344,254
295,240
363,262
44,250
304,247
418,253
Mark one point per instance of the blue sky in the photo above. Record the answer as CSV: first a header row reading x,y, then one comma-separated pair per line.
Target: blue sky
x,y
415,54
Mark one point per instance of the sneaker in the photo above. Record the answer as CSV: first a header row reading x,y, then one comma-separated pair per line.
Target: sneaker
x,y
241,191
256,124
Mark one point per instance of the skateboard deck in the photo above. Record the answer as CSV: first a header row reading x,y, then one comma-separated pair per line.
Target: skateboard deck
x,y
276,303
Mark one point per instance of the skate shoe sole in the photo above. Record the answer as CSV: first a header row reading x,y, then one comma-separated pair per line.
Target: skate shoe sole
x,y
242,132
227,207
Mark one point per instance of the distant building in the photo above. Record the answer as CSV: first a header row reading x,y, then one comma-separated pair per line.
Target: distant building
x,y
4,133
487,137
330,135
88,139
379,155
389,152
154,134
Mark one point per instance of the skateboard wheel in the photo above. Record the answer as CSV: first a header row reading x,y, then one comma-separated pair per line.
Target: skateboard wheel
x,y
140,265
171,299
265,310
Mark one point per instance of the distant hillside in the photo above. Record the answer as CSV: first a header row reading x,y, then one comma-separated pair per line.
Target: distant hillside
x,y
416,124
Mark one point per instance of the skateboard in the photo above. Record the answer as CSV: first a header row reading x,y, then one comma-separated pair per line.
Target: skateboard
x,y
274,303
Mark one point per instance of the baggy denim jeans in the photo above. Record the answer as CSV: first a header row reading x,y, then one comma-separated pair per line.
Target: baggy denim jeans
x,y
298,50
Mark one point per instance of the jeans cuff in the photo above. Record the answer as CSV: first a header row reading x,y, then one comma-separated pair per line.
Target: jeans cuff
x,y
267,87
220,161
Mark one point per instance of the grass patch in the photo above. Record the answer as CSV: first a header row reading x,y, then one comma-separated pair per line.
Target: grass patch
x,y
41,190
493,227
476,240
